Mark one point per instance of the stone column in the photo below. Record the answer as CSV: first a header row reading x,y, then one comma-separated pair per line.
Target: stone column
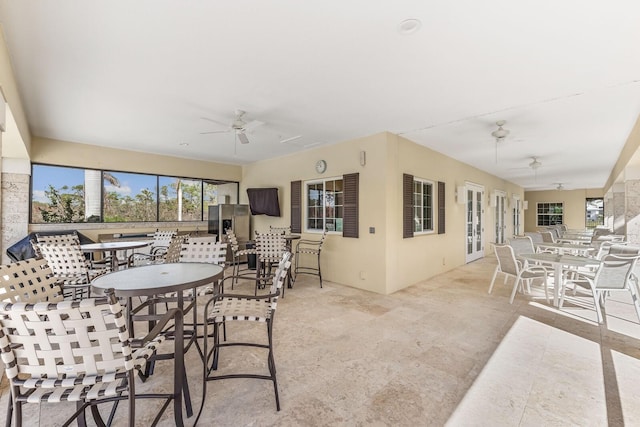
x,y
15,204
632,211
608,209
619,217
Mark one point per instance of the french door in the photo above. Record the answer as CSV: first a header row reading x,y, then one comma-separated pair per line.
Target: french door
x,y
517,207
474,221
500,214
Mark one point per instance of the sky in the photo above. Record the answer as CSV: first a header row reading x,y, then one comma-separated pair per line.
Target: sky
x,y
43,176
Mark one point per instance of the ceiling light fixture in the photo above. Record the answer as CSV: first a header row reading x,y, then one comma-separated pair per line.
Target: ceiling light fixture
x,y
184,144
560,187
409,26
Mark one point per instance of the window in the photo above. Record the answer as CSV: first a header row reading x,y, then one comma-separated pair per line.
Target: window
x,y
549,214
71,195
325,203
422,206
57,194
594,212
180,199
128,197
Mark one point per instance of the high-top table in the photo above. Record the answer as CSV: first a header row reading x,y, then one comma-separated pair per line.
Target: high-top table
x,y
114,247
558,261
289,238
159,279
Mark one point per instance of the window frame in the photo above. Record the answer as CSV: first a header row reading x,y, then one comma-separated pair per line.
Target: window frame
x,y
156,177
600,217
431,209
305,216
540,214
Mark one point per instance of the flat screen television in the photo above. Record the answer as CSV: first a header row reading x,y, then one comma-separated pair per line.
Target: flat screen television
x,y
264,201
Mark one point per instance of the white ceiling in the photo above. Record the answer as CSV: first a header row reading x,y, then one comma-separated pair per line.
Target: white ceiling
x,y
565,75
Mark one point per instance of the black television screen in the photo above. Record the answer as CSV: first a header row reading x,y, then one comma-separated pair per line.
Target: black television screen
x,y
264,201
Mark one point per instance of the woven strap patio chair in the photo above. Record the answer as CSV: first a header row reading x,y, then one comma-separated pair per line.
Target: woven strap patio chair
x,y
157,250
223,308
29,281
79,351
238,250
71,268
269,250
309,248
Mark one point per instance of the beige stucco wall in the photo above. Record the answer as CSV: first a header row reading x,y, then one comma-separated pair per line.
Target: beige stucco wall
x,y
65,153
382,262
414,259
573,202
343,259
9,88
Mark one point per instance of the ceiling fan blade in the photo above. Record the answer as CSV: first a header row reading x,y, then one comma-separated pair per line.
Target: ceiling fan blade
x,y
215,121
249,127
242,137
215,131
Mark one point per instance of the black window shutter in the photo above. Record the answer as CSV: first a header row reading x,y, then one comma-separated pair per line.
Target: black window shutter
x,y
441,211
296,206
407,206
350,222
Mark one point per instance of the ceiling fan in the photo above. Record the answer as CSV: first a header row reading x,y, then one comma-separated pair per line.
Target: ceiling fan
x,y
239,126
500,134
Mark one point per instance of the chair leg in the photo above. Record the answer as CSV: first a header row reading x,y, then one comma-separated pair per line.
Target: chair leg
x,y
546,288
216,346
18,413
272,365
516,283
634,297
319,272
596,301
132,400
493,279
9,410
82,419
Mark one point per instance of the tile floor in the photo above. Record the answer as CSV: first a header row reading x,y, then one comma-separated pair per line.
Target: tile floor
x,y
442,352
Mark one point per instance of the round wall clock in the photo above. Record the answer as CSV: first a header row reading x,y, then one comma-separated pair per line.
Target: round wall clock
x,y
321,166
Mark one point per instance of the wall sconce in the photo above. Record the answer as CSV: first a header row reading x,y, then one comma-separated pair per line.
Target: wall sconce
x,y
363,158
525,205
461,195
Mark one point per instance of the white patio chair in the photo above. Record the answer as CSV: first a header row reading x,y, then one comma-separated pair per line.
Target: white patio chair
x,y
614,274
520,271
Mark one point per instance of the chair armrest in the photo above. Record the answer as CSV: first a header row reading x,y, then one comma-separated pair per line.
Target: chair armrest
x,y
536,269
309,242
159,250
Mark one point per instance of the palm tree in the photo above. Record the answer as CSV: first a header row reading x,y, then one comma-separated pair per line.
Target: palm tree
x,y
93,191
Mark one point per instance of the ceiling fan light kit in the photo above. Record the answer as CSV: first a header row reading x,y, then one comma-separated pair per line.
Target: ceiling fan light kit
x,y
535,164
501,133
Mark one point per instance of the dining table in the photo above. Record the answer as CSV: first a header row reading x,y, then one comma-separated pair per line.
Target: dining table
x,y
559,261
114,247
565,247
156,280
